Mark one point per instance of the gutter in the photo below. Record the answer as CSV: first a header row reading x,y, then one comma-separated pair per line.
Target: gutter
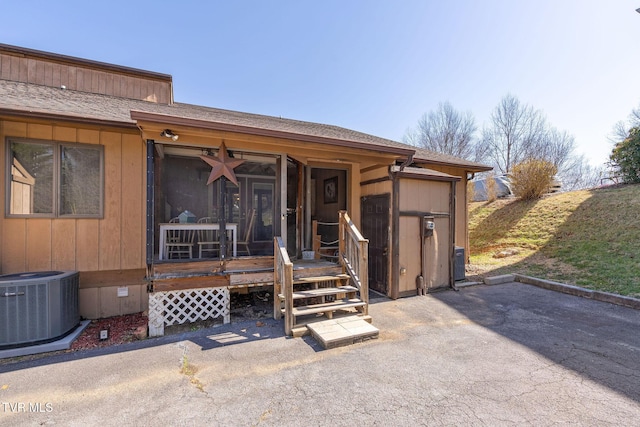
x,y
66,118
168,120
407,162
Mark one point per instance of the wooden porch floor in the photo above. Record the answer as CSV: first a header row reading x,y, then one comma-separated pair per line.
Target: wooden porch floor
x,y
232,273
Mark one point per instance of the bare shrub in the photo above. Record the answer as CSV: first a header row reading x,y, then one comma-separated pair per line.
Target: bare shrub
x,y
532,178
492,188
471,192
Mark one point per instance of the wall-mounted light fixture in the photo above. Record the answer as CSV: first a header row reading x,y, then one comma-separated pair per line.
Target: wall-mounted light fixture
x,y
168,133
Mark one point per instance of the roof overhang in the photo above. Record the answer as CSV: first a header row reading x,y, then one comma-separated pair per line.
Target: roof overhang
x,y
422,173
71,60
466,167
168,121
70,118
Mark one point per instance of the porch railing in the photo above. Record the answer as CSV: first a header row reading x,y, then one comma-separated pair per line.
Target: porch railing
x,y
282,283
353,254
321,248
353,250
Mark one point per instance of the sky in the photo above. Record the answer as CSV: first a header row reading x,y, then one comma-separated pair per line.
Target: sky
x,y
368,65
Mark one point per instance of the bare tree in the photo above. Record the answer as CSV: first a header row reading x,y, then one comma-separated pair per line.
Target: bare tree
x,y
516,131
577,174
556,147
448,131
621,129
574,171
634,118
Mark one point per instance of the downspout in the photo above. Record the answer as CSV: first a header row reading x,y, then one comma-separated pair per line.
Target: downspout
x,y
150,206
452,233
395,236
395,229
406,162
420,280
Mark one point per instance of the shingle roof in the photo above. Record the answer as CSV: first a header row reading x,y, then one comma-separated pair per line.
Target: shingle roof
x,y
424,173
29,99
425,156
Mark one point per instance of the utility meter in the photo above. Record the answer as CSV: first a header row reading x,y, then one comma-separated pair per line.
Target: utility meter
x,y
428,225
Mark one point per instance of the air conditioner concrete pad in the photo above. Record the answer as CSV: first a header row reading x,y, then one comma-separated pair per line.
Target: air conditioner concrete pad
x,y
61,344
342,331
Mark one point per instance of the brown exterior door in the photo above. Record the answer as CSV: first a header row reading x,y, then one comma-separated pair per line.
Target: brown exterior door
x,y
375,227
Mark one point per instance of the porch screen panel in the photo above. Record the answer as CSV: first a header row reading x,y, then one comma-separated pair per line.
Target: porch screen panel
x,y
183,191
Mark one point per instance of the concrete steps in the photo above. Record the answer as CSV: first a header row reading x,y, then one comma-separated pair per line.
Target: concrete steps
x,y
343,331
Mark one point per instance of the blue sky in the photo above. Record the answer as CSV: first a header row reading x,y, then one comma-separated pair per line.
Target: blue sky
x,y
372,66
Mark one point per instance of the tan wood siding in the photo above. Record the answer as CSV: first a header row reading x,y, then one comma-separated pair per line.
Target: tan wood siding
x,y
384,187
115,242
110,226
2,185
133,201
353,196
424,196
462,210
63,246
65,134
38,236
83,78
14,246
436,254
87,248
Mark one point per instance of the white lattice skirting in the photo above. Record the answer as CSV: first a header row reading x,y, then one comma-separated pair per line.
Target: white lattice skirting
x,y
188,305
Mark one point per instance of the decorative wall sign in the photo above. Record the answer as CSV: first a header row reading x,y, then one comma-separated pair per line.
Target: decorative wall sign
x,y
331,190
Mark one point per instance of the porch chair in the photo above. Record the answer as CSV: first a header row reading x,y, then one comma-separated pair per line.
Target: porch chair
x,y
247,233
179,242
208,240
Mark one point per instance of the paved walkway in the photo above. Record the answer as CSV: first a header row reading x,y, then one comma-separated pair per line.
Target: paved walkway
x,y
509,354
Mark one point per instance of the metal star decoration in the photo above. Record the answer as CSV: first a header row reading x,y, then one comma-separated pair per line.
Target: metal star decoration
x,y
223,165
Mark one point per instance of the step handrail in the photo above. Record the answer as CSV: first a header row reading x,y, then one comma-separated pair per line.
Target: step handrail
x,y
353,253
282,283
320,246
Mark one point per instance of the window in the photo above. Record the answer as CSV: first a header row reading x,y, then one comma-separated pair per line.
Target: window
x,y
51,179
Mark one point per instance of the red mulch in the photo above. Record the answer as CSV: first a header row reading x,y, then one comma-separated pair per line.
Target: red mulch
x,y
121,330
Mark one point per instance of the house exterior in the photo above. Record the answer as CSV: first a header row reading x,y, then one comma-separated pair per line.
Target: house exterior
x,y
98,160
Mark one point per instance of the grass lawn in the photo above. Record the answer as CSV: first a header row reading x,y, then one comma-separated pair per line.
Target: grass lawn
x,y
589,238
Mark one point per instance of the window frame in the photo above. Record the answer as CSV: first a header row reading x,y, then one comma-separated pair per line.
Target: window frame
x,y
57,147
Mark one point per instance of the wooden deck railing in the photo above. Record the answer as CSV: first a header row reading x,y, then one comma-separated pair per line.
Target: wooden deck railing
x,y
282,283
354,256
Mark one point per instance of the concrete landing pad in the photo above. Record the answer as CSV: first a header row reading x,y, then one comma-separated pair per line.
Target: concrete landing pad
x,y
342,331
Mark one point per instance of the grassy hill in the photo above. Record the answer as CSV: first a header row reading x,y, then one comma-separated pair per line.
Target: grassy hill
x,y
589,238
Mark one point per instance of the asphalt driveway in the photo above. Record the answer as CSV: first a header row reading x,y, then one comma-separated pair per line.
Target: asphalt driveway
x,y
509,354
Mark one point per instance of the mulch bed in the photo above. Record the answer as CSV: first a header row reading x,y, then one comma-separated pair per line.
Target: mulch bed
x,y
121,329
133,327
128,328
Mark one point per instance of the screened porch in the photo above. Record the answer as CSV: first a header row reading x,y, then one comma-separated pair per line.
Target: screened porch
x,y
191,214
